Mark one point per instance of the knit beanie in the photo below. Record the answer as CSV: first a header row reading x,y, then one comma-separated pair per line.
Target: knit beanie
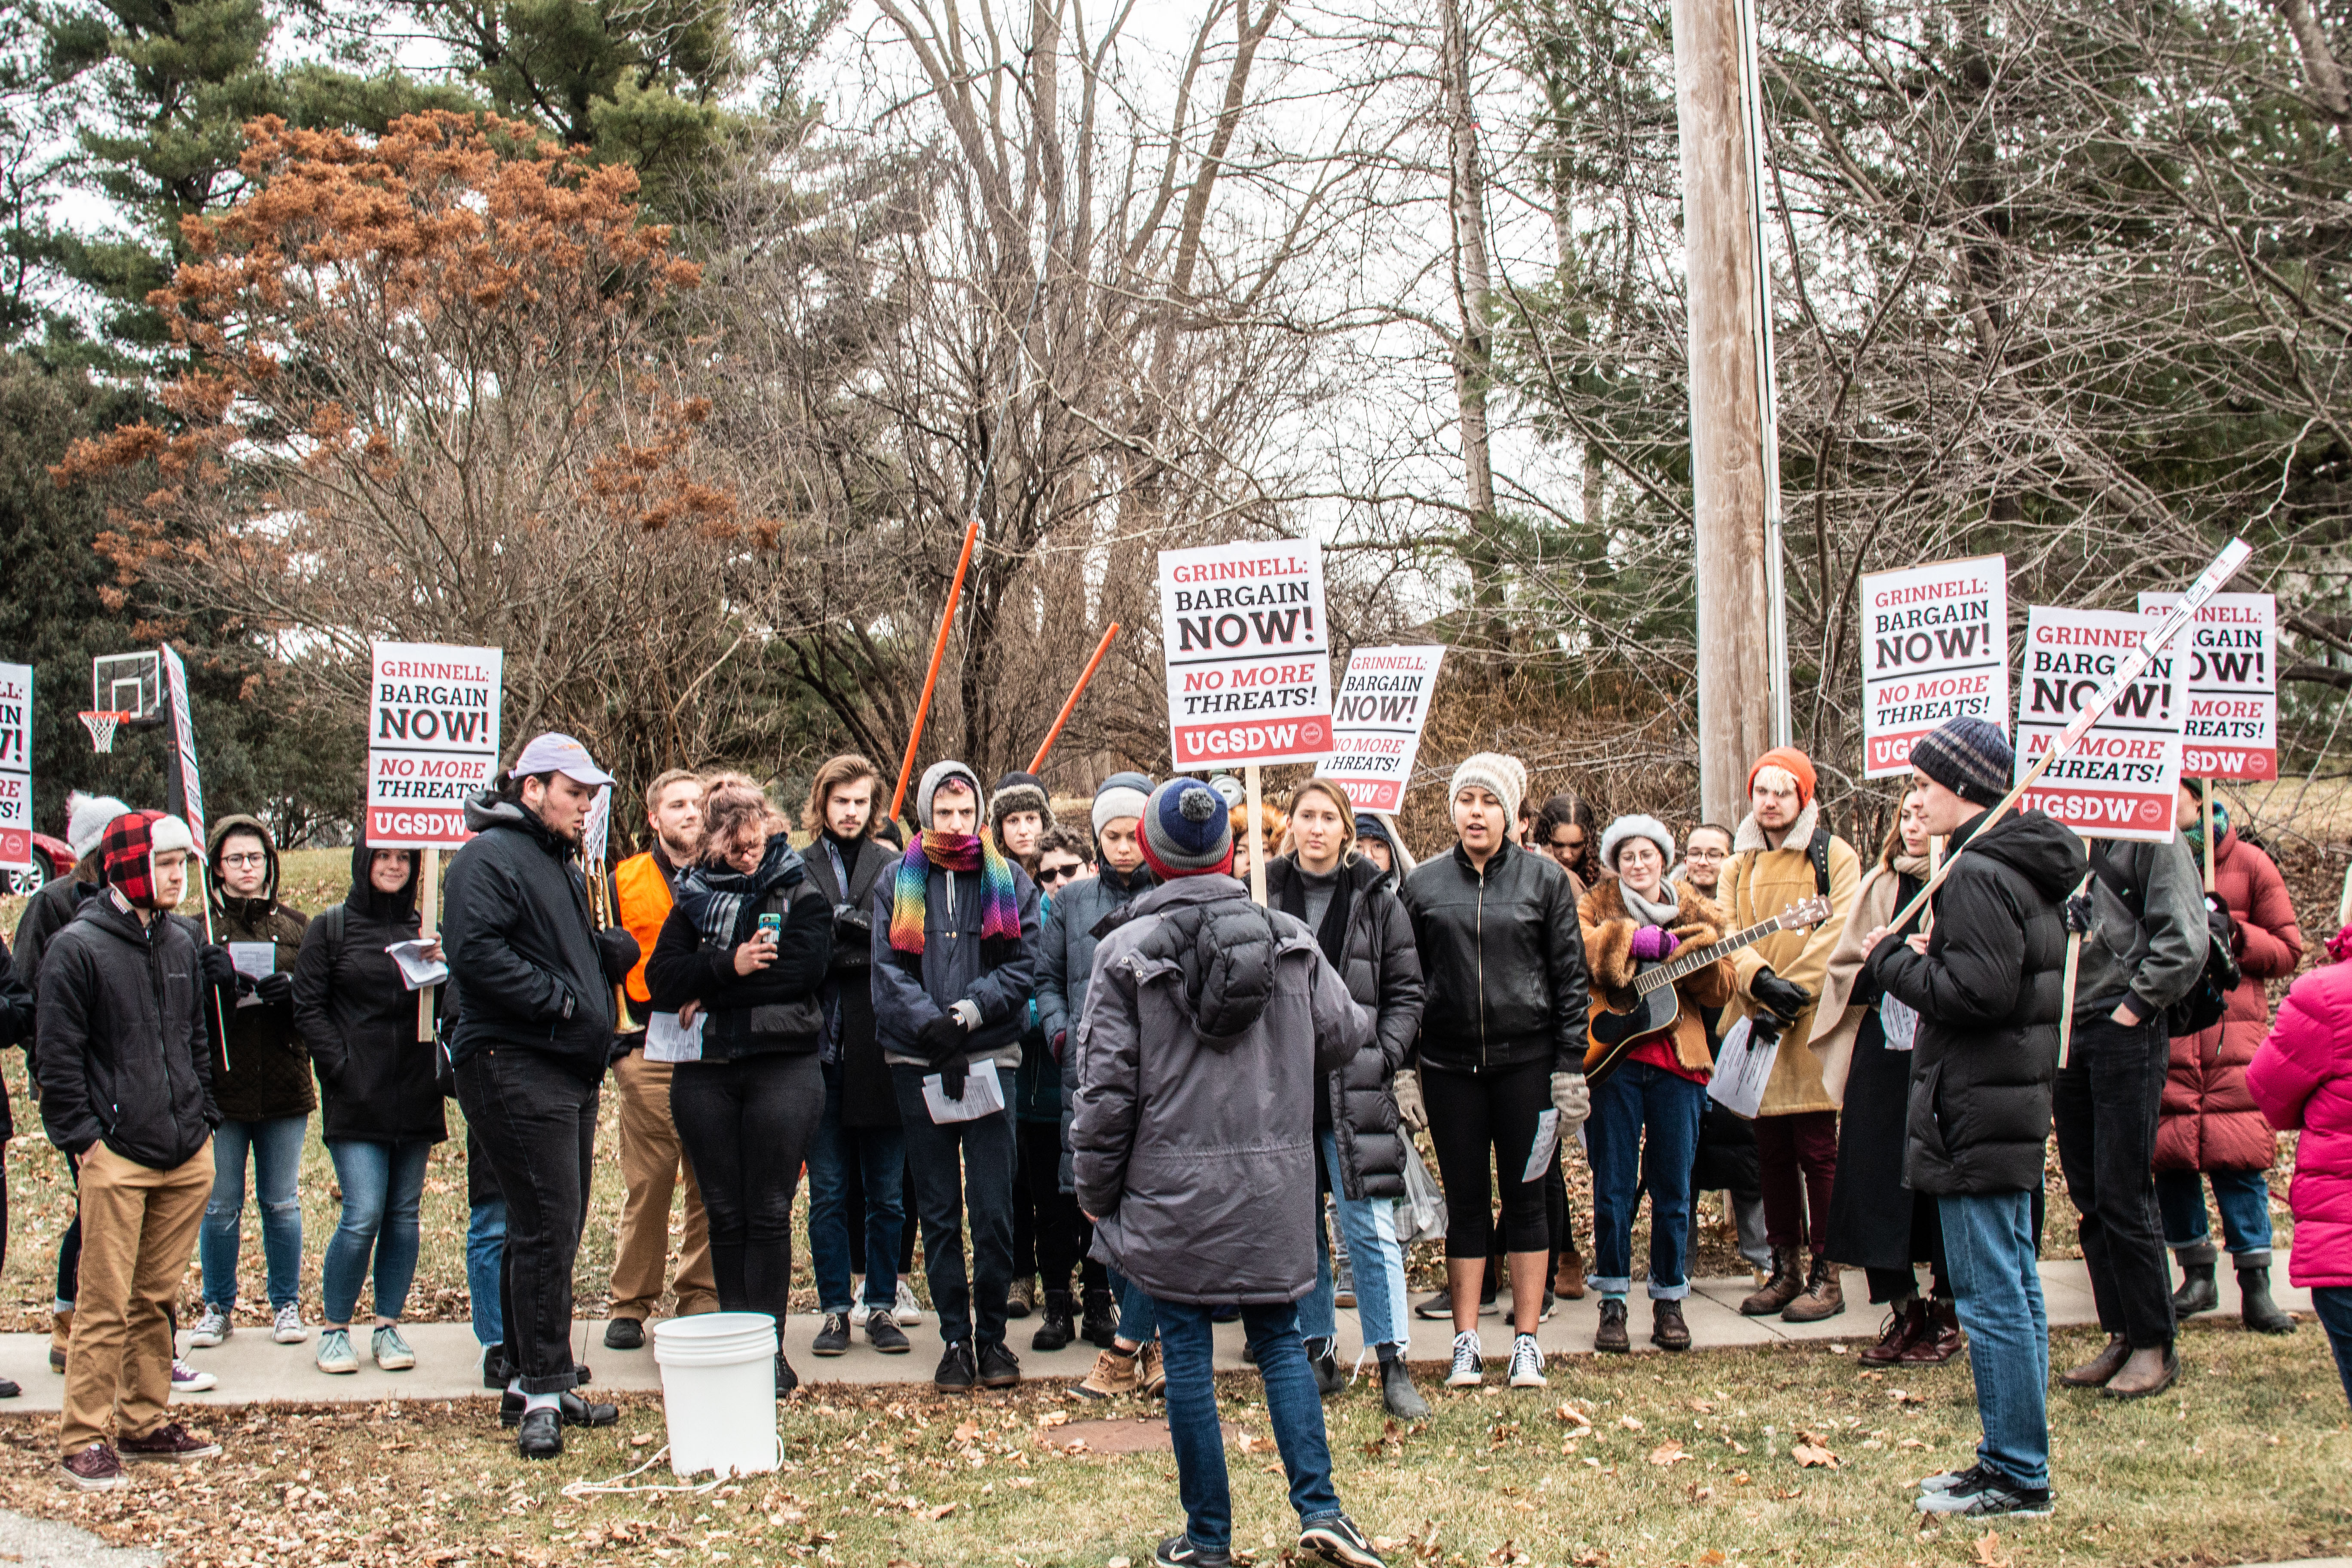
x,y
1798,765
129,846
1121,795
1186,830
1021,792
1371,826
935,775
1505,776
1968,756
86,818
1635,827
1233,791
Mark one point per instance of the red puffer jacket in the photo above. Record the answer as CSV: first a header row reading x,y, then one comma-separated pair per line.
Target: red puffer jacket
x,y
2211,1122
2302,1079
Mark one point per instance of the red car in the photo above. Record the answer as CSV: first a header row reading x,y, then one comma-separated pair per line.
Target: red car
x,y
51,857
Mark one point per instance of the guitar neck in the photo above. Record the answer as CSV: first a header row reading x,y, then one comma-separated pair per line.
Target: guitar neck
x,y
1683,963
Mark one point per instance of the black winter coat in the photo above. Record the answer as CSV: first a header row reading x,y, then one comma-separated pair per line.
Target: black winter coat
x,y
261,1070
1382,969
525,969
377,1079
126,1055
773,1011
956,963
1503,957
1987,992
1083,913
867,1097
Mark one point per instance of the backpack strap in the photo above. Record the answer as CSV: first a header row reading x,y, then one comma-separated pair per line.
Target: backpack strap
x,y
1818,852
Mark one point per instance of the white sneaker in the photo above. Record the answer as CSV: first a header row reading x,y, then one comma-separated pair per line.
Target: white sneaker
x,y
858,1309
212,1326
1527,1363
1469,1363
288,1330
906,1310
187,1379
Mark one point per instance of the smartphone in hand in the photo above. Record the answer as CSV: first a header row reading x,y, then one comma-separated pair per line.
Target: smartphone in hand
x,y
771,928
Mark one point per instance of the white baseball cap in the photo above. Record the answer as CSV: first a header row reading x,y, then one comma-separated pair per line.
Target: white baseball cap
x,y
554,753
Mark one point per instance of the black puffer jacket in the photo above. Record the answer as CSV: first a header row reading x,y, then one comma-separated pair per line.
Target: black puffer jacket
x,y
261,1070
773,1011
867,1097
1377,958
525,968
1987,992
360,1019
1503,957
126,1054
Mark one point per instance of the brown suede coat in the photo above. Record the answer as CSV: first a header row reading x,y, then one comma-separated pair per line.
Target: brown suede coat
x,y
1609,930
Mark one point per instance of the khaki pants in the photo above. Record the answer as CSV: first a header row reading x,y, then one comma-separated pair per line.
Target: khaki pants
x,y
138,1230
654,1166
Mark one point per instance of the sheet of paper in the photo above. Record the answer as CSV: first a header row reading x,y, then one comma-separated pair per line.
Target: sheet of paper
x,y
1741,1071
257,960
984,1094
1900,1020
665,1042
1546,1144
416,971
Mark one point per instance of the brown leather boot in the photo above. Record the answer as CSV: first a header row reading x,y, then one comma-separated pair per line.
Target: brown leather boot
x,y
1568,1282
2149,1370
1904,1325
1787,1280
1823,1296
1667,1330
2095,1371
1939,1339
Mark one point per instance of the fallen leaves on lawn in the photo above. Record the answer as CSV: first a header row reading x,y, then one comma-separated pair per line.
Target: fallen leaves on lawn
x,y
1811,1451
1668,1454
1574,1416
1506,1552
965,1433
1631,1422
1988,1550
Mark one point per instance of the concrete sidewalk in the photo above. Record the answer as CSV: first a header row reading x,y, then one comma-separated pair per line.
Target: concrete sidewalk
x,y
251,1368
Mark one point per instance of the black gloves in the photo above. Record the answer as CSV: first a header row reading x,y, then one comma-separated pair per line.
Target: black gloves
x,y
1785,998
942,1038
220,970
275,988
618,951
849,921
2081,913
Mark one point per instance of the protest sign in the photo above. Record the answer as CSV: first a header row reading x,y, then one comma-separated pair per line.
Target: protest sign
x,y
433,740
1248,656
1376,722
184,783
2121,778
1935,646
2231,730
16,767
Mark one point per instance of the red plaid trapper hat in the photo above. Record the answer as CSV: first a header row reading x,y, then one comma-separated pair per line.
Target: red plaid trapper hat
x,y
127,847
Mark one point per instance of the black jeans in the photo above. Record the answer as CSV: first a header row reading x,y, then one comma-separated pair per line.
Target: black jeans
x,y
960,1164
745,1126
538,1124
2106,1111
1469,1115
1049,1234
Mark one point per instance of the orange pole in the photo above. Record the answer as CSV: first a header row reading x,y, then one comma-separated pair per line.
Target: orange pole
x,y
939,652
1077,691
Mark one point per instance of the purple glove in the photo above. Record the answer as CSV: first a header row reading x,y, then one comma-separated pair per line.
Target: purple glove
x,y
1653,944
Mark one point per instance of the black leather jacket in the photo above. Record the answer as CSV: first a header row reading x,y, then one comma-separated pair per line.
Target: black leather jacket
x,y
1503,959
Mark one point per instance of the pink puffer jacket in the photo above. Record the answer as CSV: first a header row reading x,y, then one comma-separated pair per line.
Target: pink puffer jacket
x,y
2302,1079
2209,1124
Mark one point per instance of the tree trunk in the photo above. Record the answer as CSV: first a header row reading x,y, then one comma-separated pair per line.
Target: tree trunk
x,y
1473,350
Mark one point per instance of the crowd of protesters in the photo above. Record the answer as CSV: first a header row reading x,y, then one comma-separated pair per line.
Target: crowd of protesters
x,y
1112,1092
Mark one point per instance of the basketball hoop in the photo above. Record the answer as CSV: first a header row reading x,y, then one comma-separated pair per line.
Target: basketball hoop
x,y
102,730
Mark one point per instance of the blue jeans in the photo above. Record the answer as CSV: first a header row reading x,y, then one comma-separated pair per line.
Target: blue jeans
x,y
2334,1305
881,1156
1369,1225
1988,1240
1292,1405
1138,1314
486,1256
2244,1198
1639,1099
384,1185
277,1147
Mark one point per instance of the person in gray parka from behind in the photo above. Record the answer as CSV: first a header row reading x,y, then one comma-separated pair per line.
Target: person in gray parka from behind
x,y
1207,1028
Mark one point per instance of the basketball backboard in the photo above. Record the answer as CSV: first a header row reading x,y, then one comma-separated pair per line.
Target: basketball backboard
x,y
128,683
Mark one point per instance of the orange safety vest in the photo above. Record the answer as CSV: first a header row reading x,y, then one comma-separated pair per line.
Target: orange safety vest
x,y
642,893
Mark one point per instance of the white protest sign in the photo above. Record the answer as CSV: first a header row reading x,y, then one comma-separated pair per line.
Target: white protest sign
x,y
2121,779
185,779
433,740
1376,722
1935,646
1249,661
16,767
2233,727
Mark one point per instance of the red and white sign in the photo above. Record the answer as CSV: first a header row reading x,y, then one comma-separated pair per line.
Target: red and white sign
x,y
1935,646
1248,654
433,740
1377,720
187,780
16,767
2232,728
2121,779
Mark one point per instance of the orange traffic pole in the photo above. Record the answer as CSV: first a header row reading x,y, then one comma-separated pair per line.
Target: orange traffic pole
x,y
1077,691
939,652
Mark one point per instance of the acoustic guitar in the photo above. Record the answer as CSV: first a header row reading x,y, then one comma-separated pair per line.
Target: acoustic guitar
x,y
1612,1031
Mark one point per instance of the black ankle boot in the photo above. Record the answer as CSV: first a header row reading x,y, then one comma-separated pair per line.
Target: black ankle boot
x,y
2255,1309
1101,1324
1056,1331
2197,1293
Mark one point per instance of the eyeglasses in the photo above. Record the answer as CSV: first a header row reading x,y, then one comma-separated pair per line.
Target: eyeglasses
x,y
1055,873
250,860
1707,855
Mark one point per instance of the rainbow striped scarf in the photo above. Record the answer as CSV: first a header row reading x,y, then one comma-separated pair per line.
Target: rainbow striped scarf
x,y
1000,904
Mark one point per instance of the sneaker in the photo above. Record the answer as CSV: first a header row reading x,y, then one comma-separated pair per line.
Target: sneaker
x,y
1435,1309
1182,1552
1944,1480
1335,1539
187,1379
289,1329
1021,1300
169,1444
211,1328
1983,1494
883,1333
1527,1363
999,1367
93,1469
1550,1305
391,1352
625,1334
858,1313
1469,1363
956,1373
335,1352
1150,1372
569,1408
833,1334
1113,1374
906,1310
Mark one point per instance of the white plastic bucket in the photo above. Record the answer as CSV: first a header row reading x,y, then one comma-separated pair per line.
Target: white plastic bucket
x,y
719,1392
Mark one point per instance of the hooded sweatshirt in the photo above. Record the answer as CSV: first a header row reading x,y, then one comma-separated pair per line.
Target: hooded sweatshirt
x,y
360,1021
263,1070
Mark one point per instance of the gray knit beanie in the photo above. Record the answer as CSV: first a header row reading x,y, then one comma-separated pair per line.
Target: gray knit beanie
x,y
936,774
1505,776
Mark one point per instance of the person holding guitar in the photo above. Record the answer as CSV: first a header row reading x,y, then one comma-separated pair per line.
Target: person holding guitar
x,y
1635,923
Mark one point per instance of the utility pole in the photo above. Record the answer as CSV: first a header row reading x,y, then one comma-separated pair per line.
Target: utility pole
x,y
1742,668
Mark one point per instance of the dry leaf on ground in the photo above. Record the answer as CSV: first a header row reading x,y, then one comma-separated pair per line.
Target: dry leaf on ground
x,y
1668,1454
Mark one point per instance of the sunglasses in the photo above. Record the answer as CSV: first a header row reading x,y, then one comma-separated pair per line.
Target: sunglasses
x,y
1055,873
